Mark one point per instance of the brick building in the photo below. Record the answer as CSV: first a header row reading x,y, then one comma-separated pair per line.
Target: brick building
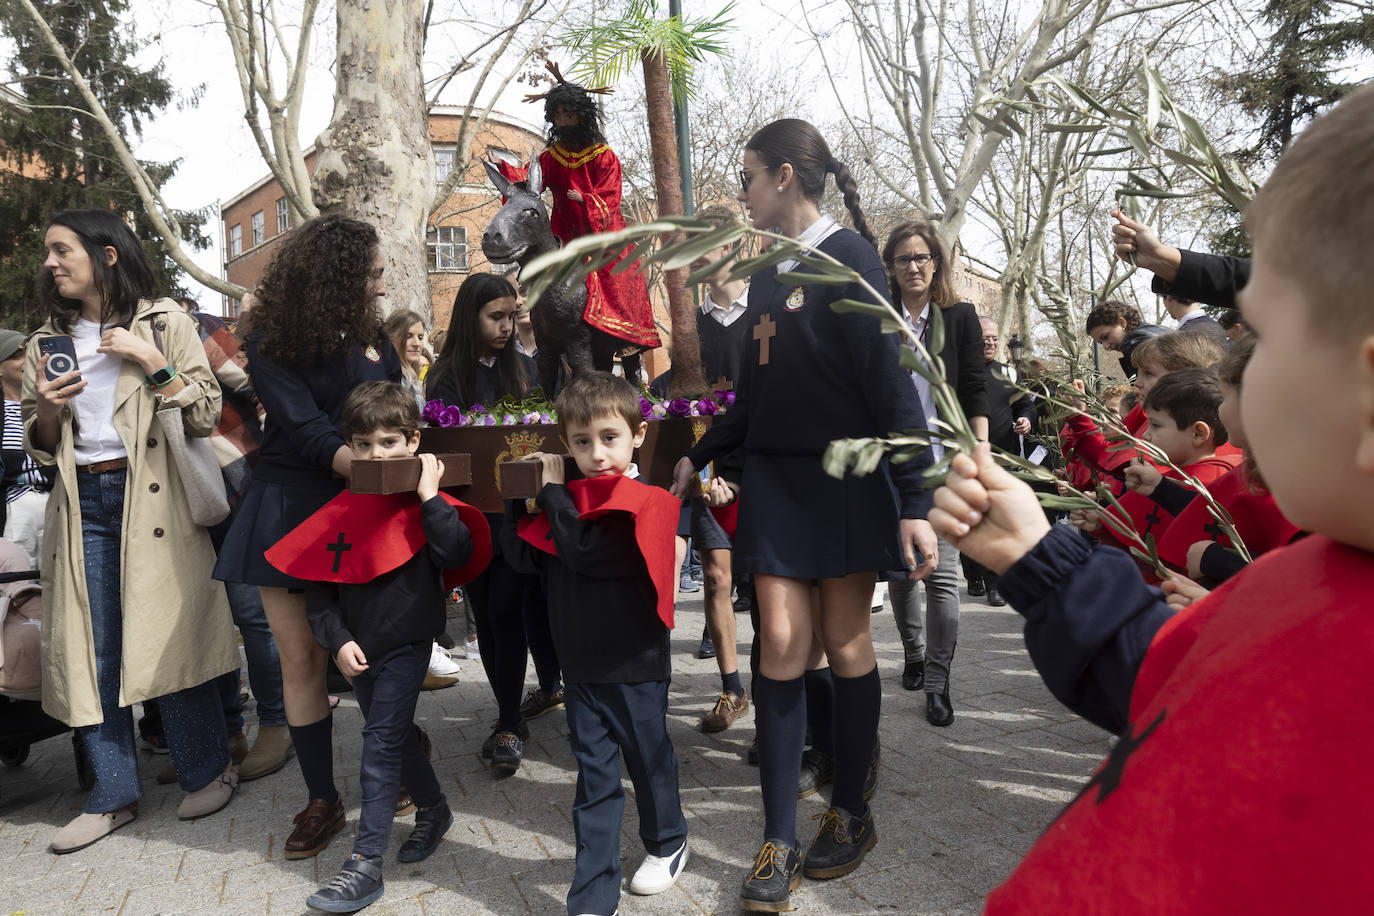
x,y
255,219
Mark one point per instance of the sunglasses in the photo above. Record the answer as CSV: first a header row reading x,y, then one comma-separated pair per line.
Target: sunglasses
x,y
745,179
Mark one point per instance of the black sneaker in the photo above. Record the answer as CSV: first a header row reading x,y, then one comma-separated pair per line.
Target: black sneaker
x,y
537,702
840,844
523,732
507,752
430,826
775,875
817,771
357,885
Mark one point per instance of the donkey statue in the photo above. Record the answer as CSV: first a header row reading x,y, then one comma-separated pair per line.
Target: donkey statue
x,y
519,233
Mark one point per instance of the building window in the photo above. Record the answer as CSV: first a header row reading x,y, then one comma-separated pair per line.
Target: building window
x,y
236,240
259,228
445,158
283,215
448,248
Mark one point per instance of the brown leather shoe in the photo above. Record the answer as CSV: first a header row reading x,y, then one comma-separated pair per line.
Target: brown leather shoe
x,y
727,709
404,804
315,826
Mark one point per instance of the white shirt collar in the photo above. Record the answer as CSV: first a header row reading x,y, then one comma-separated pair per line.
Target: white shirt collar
x,y
726,314
487,361
812,236
1200,313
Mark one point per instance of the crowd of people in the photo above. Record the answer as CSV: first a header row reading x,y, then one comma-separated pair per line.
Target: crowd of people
x,y
1204,555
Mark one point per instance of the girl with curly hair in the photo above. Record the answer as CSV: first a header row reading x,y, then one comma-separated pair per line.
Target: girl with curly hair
x,y
1119,326
313,336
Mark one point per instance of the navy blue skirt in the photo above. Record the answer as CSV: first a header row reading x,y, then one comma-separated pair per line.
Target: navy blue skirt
x,y
797,521
267,513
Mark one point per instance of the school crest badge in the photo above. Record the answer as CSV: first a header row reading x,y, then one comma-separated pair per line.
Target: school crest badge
x,y
372,355
796,299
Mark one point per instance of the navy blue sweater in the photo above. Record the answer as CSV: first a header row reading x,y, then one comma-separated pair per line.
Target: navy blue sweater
x,y
602,604
301,433
829,375
403,606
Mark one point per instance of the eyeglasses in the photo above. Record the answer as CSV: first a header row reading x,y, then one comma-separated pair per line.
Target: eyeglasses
x,y
990,340
903,261
744,177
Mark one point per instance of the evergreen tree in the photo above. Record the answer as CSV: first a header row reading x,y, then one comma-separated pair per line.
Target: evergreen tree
x,y
1298,78
54,156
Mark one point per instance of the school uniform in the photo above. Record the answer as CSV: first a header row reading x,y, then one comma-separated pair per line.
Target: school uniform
x,y
1229,790
604,548
294,475
488,389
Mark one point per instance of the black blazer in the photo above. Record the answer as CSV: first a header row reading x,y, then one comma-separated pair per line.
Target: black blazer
x,y
1208,278
962,355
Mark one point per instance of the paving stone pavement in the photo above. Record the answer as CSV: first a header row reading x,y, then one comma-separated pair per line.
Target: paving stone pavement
x,y
956,807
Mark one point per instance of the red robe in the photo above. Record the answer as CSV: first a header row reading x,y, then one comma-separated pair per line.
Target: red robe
x,y
617,303
1235,790
1260,523
355,538
655,513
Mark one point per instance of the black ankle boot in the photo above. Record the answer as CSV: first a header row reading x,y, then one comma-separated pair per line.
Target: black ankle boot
x,y
430,826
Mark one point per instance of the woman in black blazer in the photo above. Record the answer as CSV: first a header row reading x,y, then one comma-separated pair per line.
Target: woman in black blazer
x,y
920,274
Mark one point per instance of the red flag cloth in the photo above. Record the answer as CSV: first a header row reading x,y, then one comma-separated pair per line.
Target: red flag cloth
x,y
727,517
655,514
355,538
1258,520
1229,793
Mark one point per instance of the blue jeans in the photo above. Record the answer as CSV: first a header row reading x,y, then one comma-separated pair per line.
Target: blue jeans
x,y
193,719
264,667
386,693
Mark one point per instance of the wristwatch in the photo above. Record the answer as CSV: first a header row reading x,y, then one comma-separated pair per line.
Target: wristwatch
x,y
161,378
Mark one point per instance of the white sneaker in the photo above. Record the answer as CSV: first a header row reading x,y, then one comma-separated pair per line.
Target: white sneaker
x,y
657,874
471,646
441,664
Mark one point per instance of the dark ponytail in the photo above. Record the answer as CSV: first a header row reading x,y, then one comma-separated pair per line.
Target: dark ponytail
x,y
850,189
798,143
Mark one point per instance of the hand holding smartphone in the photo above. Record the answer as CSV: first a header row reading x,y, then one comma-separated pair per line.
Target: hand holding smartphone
x,y
61,353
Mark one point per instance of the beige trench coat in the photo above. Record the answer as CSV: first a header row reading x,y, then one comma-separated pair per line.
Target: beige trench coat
x,y
177,629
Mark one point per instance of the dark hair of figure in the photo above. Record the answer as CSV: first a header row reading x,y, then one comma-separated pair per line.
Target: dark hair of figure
x,y
941,282
800,144
121,285
379,405
1190,395
574,99
1108,312
315,300
596,394
457,359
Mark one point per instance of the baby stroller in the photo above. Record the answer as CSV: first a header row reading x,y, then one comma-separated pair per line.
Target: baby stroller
x,y
22,720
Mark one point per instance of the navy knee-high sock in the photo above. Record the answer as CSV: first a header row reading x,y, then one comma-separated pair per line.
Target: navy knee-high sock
x,y
780,720
820,710
315,752
856,734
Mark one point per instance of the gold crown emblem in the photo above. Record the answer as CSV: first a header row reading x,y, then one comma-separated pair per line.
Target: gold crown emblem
x,y
518,444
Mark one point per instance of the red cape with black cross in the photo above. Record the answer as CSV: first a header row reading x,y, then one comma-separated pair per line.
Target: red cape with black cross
x,y
655,514
355,537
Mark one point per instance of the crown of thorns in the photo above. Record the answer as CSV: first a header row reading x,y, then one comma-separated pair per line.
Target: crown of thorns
x,y
560,81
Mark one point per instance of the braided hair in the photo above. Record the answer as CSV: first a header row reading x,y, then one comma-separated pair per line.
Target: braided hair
x,y
799,144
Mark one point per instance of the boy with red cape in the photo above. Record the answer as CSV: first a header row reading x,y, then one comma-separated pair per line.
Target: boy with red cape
x,y
583,174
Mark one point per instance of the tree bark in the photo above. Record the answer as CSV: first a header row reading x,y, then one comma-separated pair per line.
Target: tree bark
x,y
375,161
689,379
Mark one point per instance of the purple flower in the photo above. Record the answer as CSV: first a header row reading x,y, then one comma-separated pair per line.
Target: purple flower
x,y
531,417
728,400
432,411
488,420
546,417
658,412
706,407
508,420
646,408
679,407
477,408
450,416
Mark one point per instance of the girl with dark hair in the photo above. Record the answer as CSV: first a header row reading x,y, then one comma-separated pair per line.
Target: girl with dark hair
x,y
478,364
406,330
922,275
809,375
313,336
1120,327
116,633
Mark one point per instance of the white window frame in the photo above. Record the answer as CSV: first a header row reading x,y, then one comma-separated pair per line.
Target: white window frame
x,y
236,240
445,161
259,227
447,248
283,215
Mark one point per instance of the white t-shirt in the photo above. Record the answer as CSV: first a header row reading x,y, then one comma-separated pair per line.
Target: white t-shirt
x,y
96,438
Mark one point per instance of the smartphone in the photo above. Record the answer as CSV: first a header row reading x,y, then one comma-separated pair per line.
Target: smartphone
x,y
61,353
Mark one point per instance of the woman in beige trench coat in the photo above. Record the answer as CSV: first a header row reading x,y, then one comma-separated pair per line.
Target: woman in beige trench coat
x,y
130,610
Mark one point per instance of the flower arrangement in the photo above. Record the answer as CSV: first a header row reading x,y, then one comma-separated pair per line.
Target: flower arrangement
x,y
652,409
535,410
